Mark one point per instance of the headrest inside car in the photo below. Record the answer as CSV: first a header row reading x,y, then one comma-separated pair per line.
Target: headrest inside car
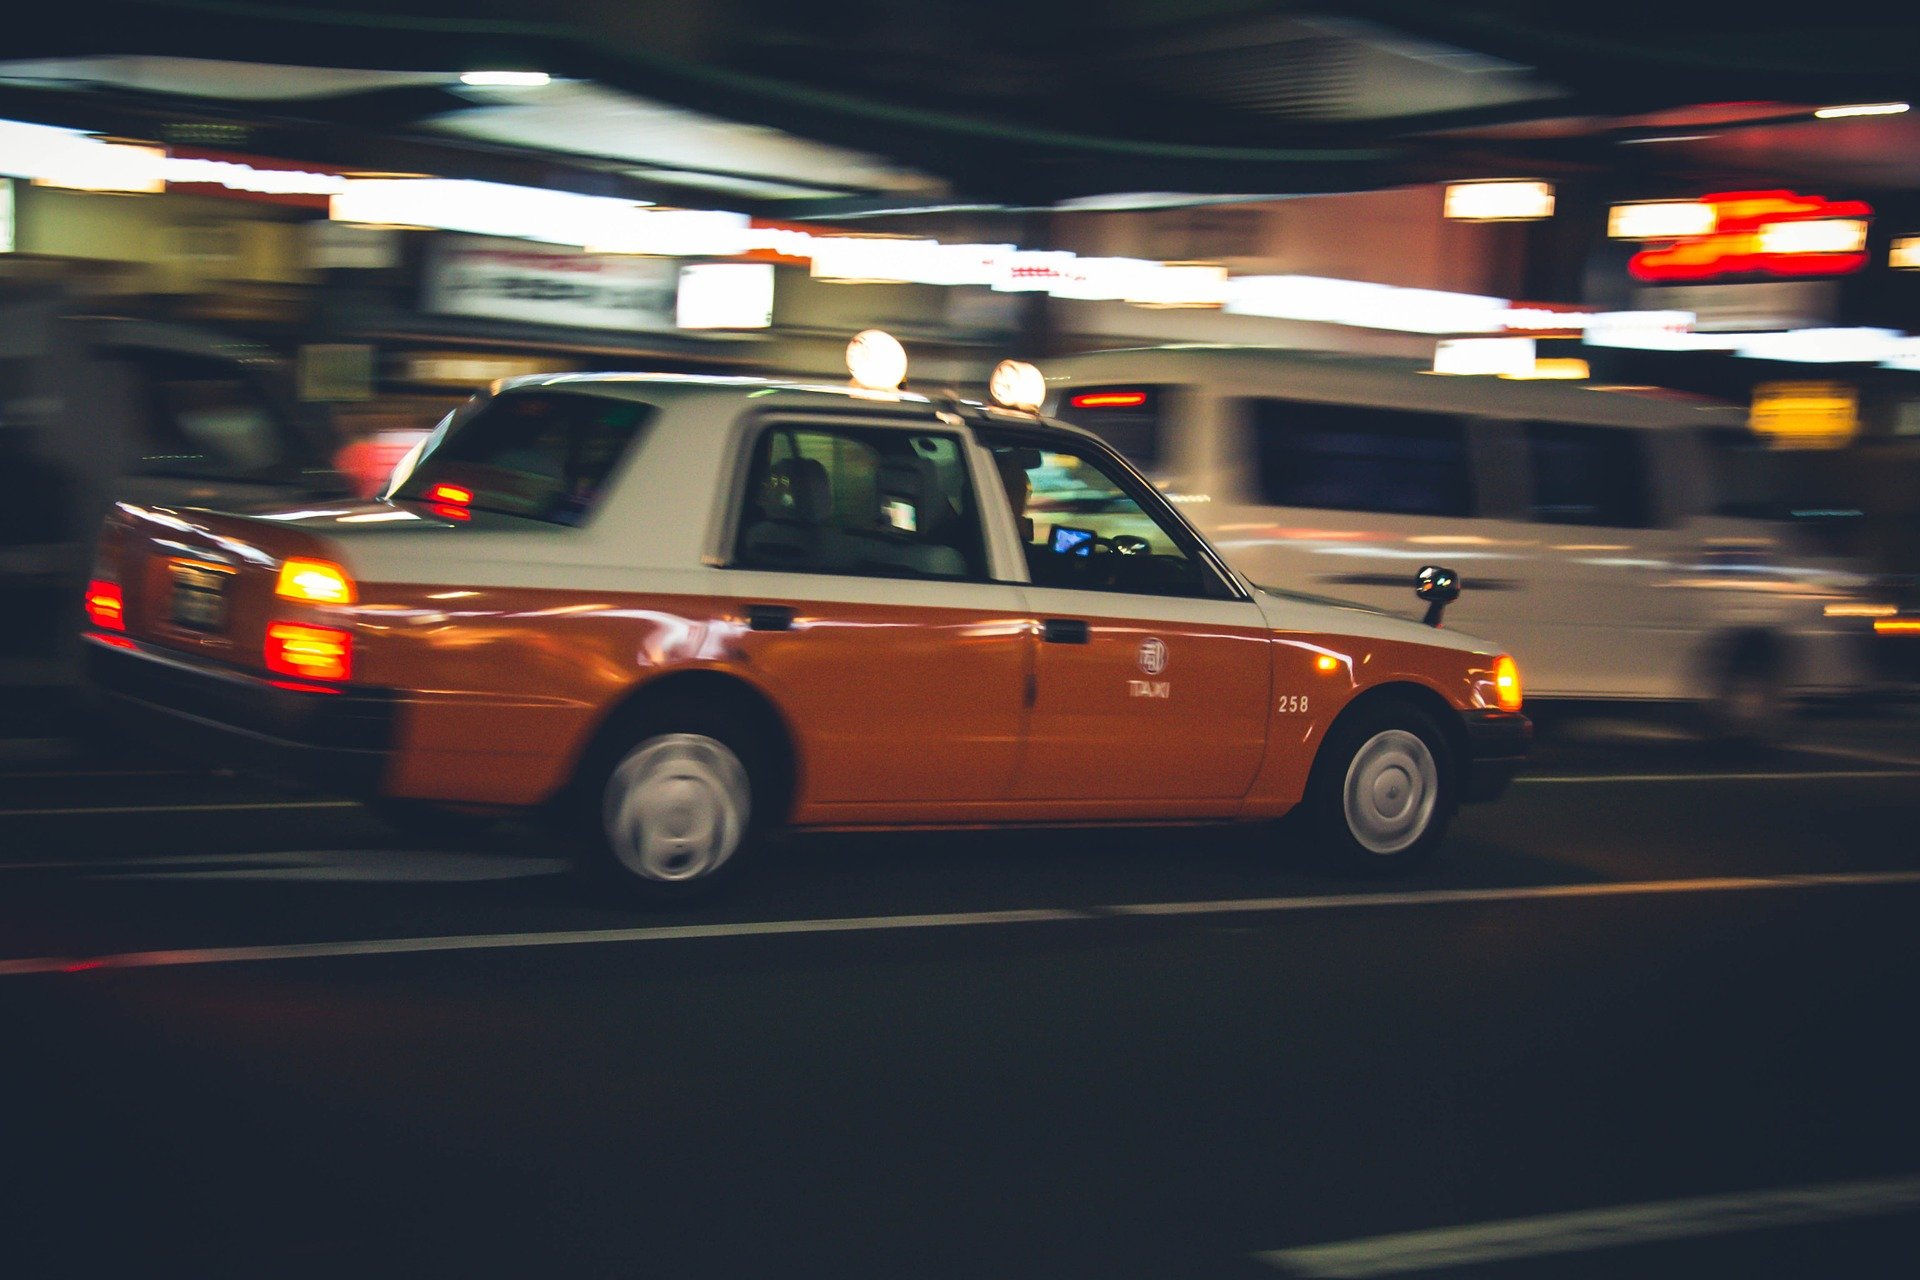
x,y
797,489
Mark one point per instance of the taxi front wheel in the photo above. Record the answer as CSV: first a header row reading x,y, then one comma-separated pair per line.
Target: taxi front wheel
x,y
1382,790
673,813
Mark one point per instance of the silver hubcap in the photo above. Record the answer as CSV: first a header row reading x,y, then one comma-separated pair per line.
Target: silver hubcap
x,y
676,807
1391,789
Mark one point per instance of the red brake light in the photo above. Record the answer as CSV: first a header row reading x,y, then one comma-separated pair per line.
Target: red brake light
x,y
105,608
312,653
451,493
1109,399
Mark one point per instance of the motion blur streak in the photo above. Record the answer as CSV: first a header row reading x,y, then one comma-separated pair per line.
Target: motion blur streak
x,y
1591,1229
860,924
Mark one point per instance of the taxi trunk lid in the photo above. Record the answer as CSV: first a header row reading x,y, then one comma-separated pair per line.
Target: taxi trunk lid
x,y
204,582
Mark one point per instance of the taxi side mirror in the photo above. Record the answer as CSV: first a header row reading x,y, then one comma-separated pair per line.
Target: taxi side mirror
x,y
1439,587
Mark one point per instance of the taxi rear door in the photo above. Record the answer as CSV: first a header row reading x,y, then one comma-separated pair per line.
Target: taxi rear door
x,y
1151,670
860,571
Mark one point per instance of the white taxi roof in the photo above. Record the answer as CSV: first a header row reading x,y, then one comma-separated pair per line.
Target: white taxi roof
x,y
734,393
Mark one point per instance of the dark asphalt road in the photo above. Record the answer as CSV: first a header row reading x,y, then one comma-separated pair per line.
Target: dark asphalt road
x,y
1528,1028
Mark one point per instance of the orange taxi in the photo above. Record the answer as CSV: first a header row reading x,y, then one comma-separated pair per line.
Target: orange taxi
x,y
681,613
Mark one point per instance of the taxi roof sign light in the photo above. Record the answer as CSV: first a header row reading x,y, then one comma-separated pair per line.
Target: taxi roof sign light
x,y
876,360
1017,385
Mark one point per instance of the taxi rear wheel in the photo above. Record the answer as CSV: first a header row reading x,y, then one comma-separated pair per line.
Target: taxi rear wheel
x,y
1382,790
671,814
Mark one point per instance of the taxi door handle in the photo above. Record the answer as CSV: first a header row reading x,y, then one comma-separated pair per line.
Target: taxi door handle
x,y
769,617
1064,631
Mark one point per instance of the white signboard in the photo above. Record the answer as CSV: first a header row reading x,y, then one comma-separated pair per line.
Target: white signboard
x,y
726,295
548,284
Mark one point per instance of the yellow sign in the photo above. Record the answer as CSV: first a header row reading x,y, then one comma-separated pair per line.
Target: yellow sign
x,y
1806,415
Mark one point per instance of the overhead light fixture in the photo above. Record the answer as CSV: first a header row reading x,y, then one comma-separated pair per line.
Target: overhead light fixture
x,y
1660,220
1555,368
483,208
1499,201
1862,109
1364,304
506,79
1485,357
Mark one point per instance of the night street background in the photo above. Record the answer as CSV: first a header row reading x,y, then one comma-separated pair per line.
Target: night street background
x,y
1095,1091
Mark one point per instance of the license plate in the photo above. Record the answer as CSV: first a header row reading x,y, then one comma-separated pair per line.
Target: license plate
x,y
199,597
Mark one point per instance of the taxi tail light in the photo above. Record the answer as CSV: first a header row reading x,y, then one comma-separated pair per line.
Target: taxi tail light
x,y
1506,683
315,582
105,607
308,652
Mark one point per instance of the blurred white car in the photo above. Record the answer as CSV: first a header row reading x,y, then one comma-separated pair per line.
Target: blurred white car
x,y
1593,528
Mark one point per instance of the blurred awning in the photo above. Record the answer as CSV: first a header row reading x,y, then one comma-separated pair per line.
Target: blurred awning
x,y
802,109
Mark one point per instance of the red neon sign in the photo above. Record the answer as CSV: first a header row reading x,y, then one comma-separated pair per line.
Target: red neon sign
x,y
1751,236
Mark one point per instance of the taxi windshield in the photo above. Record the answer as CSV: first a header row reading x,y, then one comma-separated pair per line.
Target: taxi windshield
x,y
544,455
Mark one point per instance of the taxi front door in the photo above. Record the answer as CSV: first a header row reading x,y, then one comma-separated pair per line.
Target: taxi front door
x,y
1147,700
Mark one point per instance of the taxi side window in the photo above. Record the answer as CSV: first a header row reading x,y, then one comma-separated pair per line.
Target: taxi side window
x,y
872,503
1082,525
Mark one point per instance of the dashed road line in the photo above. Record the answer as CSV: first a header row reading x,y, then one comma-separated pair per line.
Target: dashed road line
x,y
859,924
1589,1229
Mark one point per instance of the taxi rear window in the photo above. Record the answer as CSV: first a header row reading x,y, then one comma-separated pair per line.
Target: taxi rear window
x,y
544,455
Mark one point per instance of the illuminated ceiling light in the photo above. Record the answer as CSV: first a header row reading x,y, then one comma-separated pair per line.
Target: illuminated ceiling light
x,y
1363,304
1822,346
1904,255
1665,137
876,360
1558,368
1499,201
1178,284
483,208
506,79
1505,357
1862,109
1660,220
670,233
1819,235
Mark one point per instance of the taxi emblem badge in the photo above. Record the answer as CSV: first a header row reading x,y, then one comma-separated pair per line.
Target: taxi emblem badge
x,y
1153,655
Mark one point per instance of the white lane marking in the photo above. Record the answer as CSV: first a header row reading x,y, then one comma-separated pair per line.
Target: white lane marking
x,y
1518,893
1584,1230
178,808
506,941
1798,776
854,924
384,866
1858,753
10,775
